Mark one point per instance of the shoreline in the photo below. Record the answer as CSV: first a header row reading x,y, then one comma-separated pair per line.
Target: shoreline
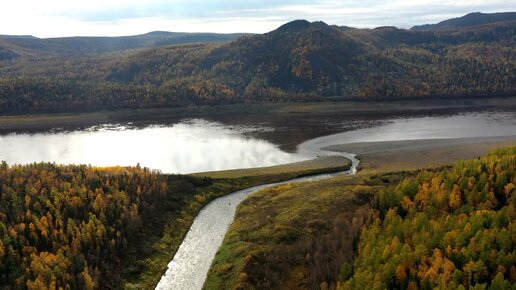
x,y
179,268
68,121
323,164
421,153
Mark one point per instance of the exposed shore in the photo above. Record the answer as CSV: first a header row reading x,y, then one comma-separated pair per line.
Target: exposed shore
x,y
382,156
415,154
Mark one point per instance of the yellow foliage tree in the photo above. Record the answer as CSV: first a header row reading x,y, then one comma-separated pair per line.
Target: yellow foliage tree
x,y
88,281
455,197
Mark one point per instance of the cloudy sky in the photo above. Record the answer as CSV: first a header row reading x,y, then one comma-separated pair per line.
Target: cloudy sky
x,y
52,18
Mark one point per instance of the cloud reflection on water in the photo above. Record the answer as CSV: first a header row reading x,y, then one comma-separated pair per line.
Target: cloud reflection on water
x,y
190,146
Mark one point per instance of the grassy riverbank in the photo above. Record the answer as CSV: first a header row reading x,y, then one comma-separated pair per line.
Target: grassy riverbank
x,y
144,268
305,236
38,122
309,167
285,237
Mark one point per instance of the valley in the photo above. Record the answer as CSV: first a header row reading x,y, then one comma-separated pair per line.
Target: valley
x,y
311,156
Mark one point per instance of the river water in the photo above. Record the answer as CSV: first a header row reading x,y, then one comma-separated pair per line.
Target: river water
x,y
189,267
197,145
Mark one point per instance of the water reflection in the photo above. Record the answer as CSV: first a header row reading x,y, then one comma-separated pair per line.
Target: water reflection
x,y
477,124
189,146
238,142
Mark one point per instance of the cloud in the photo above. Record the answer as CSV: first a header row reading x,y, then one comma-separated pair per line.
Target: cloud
x,y
123,17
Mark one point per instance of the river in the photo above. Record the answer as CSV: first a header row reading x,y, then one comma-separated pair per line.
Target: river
x,y
191,263
208,144
197,145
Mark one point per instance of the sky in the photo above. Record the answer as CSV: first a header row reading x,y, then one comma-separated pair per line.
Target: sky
x,y
58,18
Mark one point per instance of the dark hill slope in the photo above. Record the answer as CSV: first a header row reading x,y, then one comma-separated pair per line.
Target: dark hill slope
x,y
314,59
298,61
472,19
298,57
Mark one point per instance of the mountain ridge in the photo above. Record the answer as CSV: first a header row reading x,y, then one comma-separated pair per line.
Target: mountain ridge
x,y
299,61
469,20
76,45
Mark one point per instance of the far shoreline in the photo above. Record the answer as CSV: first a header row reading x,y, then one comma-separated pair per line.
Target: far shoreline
x,y
38,122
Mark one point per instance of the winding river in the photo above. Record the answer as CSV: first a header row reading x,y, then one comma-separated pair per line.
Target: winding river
x,y
189,267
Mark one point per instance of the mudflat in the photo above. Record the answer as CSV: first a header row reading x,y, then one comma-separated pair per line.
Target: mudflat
x,y
416,154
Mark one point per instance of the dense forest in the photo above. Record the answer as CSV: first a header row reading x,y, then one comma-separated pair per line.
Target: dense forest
x,y
452,229
298,61
83,227
69,227
442,228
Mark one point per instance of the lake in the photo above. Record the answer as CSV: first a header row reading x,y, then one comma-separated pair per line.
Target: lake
x,y
230,142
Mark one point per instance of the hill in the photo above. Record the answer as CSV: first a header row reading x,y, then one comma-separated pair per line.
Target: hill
x,y
298,61
16,46
472,19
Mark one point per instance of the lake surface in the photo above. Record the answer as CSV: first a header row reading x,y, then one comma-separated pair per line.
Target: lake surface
x,y
195,145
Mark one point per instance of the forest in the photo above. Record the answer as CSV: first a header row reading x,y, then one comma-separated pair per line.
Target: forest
x,y
70,226
451,229
84,227
299,61
439,228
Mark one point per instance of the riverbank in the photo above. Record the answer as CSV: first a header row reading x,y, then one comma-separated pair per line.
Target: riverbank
x,y
164,237
323,164
303,236
70,121
417,154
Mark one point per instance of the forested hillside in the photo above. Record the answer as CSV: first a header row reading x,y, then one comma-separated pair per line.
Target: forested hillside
x,y
298,61
471,19
82,227
69,227
444,228
452,229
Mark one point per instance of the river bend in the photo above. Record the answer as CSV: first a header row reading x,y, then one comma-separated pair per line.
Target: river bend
x,y
189,267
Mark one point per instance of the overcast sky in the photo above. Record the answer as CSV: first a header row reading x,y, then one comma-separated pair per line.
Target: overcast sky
x,y
53,18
